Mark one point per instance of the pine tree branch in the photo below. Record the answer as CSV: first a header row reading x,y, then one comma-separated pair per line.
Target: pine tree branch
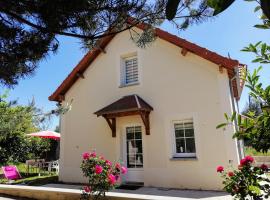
x,y
89,37
46,30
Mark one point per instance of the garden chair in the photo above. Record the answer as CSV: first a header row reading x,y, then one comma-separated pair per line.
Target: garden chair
x,y
11,173
54,165
36,164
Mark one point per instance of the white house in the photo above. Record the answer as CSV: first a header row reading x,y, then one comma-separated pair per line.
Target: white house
x,y
155,109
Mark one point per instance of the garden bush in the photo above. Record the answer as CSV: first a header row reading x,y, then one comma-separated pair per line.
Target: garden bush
x,y
246,182
102,175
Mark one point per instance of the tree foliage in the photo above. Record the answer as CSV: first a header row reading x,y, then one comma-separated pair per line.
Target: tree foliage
x,y
254,124
253,106
255,127
15,122
249,182
29,28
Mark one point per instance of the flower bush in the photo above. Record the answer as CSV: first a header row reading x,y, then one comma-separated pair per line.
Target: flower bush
x,y
102,175
246,182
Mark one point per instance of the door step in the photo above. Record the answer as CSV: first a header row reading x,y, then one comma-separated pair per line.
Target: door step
x,y
130,186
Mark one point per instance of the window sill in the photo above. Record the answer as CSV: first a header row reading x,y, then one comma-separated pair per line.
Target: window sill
x,y
192,158
127,85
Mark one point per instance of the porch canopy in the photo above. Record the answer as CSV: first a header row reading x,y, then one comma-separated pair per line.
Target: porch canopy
x,y
126,106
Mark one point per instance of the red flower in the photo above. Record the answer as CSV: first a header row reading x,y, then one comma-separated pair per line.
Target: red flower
x,y
264,167
112,179
220,169
87,189
108,162
230,174
93,154
249,159
118,166
85,155
243,161
123,170
98,169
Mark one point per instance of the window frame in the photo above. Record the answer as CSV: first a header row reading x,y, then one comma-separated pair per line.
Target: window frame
x,y
183,155
123,147
134,139
123,75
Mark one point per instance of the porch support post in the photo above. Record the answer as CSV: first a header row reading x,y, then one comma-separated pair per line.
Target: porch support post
x,y
146,121
112,125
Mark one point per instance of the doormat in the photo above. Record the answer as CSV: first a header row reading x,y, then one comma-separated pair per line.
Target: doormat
x,y
129,187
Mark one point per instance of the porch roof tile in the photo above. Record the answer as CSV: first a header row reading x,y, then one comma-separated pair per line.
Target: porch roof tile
x,y
125,104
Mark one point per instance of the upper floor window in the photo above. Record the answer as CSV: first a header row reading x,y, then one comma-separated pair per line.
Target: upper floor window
x,y
130,71
184,139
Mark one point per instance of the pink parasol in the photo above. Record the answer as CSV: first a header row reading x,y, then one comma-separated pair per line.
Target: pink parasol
x,y
46,134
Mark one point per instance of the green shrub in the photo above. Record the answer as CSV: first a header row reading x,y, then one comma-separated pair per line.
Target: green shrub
x,y
247,182
102,175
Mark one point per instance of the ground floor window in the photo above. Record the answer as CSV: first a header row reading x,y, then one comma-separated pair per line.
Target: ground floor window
x,y
184,139
134,147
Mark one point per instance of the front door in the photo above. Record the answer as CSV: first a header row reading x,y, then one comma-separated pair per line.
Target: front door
x,y
133,153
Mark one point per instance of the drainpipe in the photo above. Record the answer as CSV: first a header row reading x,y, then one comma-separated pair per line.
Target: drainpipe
x,y
58,142
235,108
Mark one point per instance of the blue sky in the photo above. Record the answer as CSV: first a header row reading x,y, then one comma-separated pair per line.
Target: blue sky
x,y
227,33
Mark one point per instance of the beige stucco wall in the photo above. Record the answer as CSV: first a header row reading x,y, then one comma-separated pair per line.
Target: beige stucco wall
x,y
177,87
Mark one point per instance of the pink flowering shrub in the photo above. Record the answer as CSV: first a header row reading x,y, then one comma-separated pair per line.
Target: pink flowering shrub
x,y
247,182
102,175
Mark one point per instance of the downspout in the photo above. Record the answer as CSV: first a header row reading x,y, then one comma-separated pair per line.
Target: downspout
x,y
58,143
235,108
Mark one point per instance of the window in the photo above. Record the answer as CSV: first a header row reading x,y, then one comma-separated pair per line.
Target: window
x,y
130,73
184,139
134,147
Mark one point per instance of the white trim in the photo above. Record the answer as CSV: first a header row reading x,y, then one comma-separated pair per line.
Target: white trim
x,y
125,147
122,75
136,171
169,124
175,154
137,101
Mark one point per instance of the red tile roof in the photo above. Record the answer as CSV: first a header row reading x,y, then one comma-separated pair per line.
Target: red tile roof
x,y
222,61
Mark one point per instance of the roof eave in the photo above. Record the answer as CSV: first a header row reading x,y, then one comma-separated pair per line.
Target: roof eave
x,y
80,68
91,55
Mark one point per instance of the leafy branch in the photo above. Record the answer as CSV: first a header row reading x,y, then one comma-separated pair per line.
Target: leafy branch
x,y
253,128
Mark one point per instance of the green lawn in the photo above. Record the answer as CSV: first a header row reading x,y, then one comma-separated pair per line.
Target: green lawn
x,y
34,177
33,180
252,152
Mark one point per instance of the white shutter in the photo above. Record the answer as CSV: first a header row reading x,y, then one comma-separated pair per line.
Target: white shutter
x,y
131,70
